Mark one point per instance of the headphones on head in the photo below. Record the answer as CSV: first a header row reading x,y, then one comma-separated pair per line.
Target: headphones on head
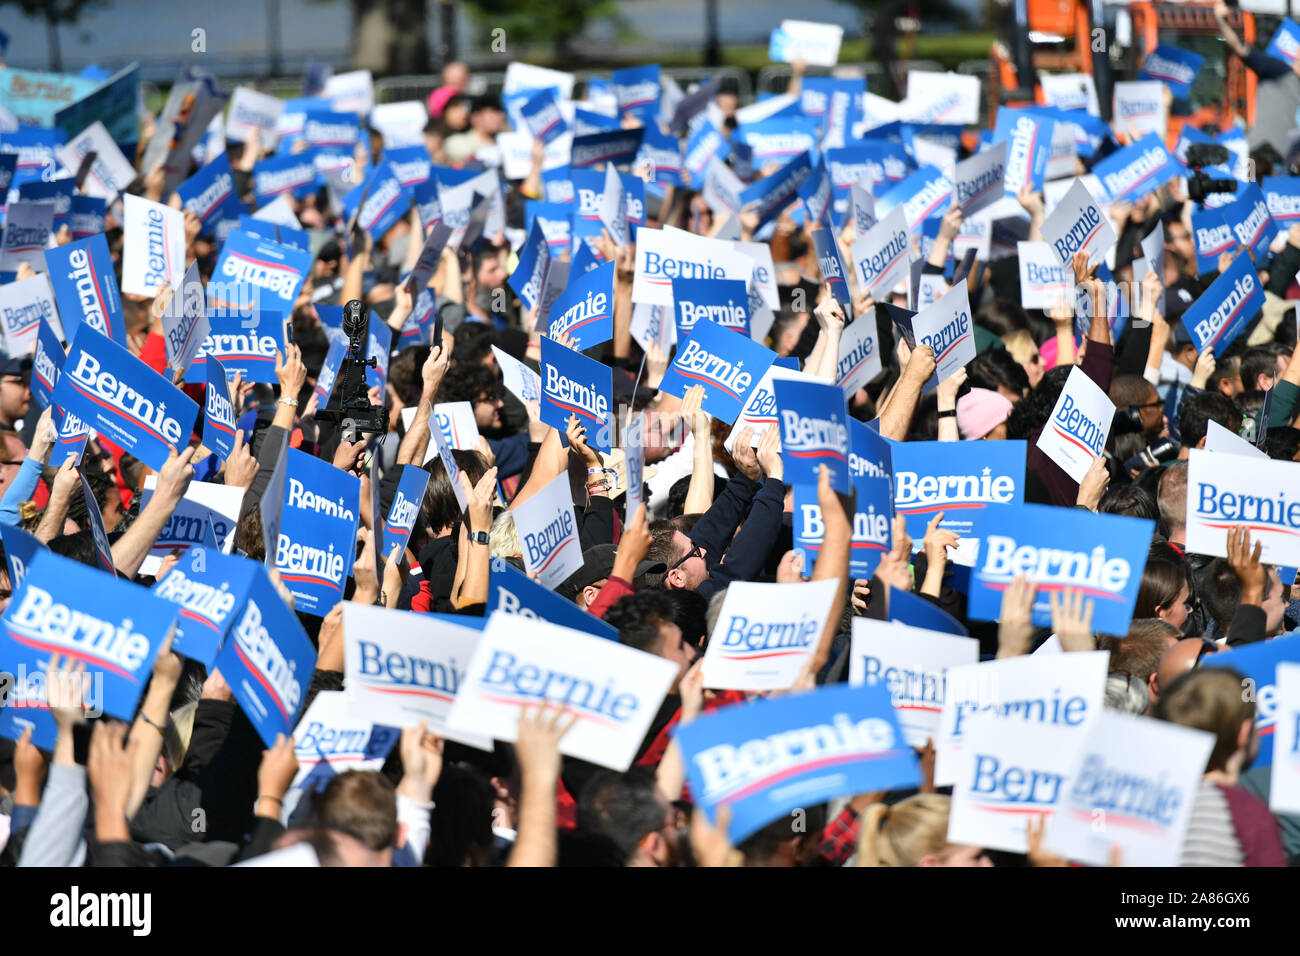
x,y
1127,421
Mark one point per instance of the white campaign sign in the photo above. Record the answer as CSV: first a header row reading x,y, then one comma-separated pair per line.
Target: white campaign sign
x,y
1077,224
331,733
1223,442
1284,788
977,182
864,208
1061,689
253,112
760,409
951,99
612,690
1139,108
859,359
1071,91
1043,280
110,173
154,252
1080,423
525,76
882,255
403,667
766,633
22,306
947,328
352,92
764,272
443,451
817,44
666,254
913,664
523,383
402,124
548,533
1132,784
456,419
1222,494
1011,772
206,503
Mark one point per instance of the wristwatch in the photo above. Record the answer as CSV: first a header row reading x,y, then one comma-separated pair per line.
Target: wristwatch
x,y
478,537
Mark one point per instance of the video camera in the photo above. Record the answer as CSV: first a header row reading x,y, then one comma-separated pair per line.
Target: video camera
x,y
1200,184
349,403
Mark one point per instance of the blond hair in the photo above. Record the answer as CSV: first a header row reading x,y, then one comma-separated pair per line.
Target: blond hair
x,y
906,833
1020,344
503,539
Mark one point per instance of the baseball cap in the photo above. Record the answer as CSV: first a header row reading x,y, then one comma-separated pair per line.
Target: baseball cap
x,y
597,565
13,365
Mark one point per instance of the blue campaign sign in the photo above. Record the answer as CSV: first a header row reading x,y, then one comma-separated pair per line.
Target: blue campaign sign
x,y
1174,67
241,344
318,531
73,433
1058,548
1282,193
1259,663
293,173
664,153
779,139
573,384
917,611
8,163
1285,44
585,309
411,164
209,588
814,431
831,263
556,220
740,757
1249,218
722,301
35,150
557,186
329,370
405,507
1213,237
1134,171
729,366
772,194
56,193
871,471
963,479
331,132
267,660
704,146
617,146
87,217
817,196
20,549
542,116
112,626
637,91
512,592
530,273
98,535
218,410
85,288
123,399
1226,307
585,121
47,362
257,273
210,194
588,192
383,198
1029,144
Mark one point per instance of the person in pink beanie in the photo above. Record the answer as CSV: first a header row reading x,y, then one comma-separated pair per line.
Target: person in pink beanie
x,y
983,414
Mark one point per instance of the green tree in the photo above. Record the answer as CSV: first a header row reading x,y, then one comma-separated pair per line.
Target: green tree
x,y
554,23
53,12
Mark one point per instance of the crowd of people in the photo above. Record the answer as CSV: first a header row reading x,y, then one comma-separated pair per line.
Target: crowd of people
x,y
189,777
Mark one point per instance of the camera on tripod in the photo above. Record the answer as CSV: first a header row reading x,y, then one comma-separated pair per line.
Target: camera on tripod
x,y
349,403
1201,184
